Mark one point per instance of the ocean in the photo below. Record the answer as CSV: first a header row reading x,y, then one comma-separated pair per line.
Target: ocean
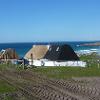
x,y
23,48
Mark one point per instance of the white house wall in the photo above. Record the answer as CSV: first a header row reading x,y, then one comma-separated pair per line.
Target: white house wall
x,y
55,63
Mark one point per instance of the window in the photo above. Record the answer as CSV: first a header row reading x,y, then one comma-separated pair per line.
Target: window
x,y
57,49
50,49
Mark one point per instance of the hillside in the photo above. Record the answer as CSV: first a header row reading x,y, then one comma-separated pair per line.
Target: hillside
x,y
91,44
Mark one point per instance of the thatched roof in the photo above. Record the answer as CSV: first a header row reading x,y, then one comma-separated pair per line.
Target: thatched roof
x,y
61,53
38,52
8,54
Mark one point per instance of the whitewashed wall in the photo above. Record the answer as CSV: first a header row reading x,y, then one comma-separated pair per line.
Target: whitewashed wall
x,y
55,63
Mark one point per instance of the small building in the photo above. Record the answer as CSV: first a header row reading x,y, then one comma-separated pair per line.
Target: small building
x,y
8,54
53,55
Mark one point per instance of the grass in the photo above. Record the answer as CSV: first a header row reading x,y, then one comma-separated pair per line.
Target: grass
x,y
12,66
93,56
68,72
5,66
8,98
92,60
5,87
91,70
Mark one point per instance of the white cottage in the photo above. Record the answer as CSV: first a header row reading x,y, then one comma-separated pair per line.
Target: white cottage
x,y
53,55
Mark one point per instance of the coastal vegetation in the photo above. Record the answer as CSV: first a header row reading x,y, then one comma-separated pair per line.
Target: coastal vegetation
x,y
17,83
59,72
14,80
92,60
91,69
68,72
5,87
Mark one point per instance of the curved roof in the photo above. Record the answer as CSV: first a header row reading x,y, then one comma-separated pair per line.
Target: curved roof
x,y
38,52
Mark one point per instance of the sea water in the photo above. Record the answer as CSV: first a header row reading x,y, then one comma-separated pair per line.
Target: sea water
x,y
23,48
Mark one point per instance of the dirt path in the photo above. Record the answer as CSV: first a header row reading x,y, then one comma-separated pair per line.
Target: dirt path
x,y
37,87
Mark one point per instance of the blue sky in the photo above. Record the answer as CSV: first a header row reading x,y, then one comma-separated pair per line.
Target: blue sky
x,y
49,20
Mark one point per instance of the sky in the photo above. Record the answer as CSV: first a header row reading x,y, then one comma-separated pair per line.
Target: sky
x,y
49,20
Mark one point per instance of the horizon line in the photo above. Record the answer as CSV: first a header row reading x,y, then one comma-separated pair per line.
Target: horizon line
x,y
51,41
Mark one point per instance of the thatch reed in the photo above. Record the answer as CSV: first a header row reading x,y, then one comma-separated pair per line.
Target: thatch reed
x,y
37,52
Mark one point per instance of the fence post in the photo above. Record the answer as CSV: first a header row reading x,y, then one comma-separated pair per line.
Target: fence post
x,y
98,63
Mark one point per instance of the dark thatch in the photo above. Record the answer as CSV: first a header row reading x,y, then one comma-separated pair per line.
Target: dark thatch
x,y
61,53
